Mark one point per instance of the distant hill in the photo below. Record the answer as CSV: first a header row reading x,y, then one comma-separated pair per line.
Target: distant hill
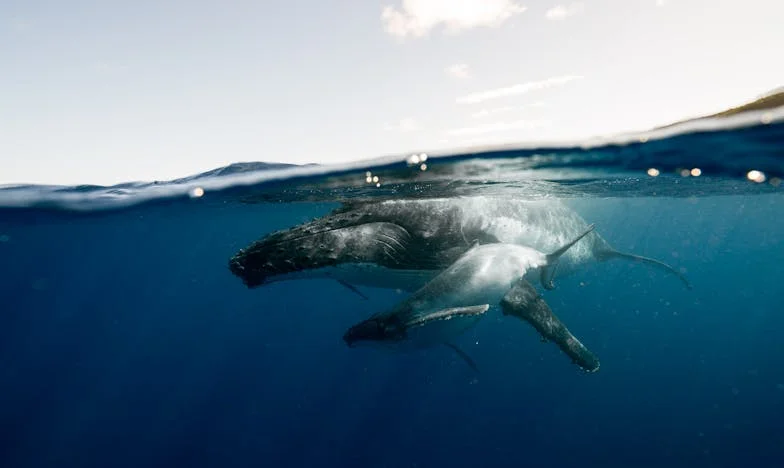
x,y
237,168
769,100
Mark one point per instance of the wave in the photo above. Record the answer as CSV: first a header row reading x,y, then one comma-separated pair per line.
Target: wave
x,y
720,150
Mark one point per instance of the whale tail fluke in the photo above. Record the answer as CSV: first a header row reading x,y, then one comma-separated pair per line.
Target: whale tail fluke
x,y
548,271
614,254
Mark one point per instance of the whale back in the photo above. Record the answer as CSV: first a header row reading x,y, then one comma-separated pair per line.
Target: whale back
x,y
544,225
452,225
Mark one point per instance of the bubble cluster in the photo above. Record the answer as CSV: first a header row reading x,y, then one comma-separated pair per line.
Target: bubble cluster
x,y
371,179
415,159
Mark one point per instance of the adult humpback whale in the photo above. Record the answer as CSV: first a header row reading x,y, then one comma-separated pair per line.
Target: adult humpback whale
x,y
402,244
486,277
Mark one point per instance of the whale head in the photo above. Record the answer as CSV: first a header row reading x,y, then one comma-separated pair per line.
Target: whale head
x,y
376,330
306,250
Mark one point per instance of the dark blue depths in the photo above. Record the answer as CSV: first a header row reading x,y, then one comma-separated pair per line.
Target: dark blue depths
x,y
125,341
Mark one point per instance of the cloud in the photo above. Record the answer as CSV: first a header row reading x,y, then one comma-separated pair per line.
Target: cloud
x,y
460,71
417,17
517,89
498,110
563,11
498,127
407,124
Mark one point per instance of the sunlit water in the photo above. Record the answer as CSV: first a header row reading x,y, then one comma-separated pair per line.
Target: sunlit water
x,y
126,341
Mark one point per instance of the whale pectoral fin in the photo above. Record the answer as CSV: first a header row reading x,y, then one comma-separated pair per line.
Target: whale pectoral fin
x,y
610,254
464,356
468,312
548,271
441,326
352,288
525,303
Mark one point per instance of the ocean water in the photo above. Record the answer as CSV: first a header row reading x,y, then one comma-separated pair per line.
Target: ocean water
x,y
125,340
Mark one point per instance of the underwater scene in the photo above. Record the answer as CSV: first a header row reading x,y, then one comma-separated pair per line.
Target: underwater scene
x,y
612,303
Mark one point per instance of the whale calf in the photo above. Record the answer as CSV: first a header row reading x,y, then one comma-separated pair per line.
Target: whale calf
x,y
489,276
402,244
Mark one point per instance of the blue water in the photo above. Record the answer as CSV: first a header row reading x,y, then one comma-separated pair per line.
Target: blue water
x,y
125,341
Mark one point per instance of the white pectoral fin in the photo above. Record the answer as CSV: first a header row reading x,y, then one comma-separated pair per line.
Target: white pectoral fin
x,y
470,312
442,326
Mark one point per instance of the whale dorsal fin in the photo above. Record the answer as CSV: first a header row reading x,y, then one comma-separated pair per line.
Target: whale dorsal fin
x,y
548,271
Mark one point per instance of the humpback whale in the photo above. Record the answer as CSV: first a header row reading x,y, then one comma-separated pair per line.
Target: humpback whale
x,y
402,244
489,276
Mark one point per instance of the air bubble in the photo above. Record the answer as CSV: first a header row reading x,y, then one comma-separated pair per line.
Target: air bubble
x,y
756,176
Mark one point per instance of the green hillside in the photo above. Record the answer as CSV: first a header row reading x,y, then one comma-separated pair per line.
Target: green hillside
x,y
770,100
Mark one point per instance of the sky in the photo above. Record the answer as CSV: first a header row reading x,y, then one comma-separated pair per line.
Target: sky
x,y
102,92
